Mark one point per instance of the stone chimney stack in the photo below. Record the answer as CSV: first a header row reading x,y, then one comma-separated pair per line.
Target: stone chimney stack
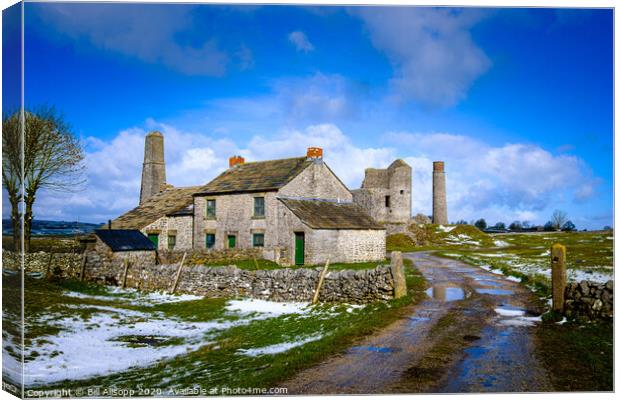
x,y
235,160
440,208
154,167
314,153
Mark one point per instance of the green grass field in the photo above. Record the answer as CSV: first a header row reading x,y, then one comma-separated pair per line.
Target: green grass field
x,y
169,342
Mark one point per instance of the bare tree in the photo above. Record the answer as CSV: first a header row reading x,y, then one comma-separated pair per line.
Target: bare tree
x,y
558,218
11,170
52,160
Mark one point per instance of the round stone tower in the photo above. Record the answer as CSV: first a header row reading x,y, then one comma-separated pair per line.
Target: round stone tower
x,y
440,208
154,167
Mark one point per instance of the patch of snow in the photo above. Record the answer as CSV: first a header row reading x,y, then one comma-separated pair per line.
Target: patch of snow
x,y
134,297
278,348
609,238
544,254
444,228
562,322
501,243
520,321
504,312
88,348
247,306
495,255
513,278
578,275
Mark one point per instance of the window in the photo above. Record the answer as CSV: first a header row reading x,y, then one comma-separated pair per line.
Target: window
x,y
210,240
402,191
258,240
387,201
172,242
259,206
211,209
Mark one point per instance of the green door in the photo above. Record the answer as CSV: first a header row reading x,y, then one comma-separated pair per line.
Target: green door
x,y
232,241
300,244
154,237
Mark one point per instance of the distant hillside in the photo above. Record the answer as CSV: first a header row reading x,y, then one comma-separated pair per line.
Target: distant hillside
x,y
53,228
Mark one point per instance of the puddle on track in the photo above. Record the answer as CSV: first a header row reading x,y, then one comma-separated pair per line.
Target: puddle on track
x,y
495,292
374,349
488,282
446,293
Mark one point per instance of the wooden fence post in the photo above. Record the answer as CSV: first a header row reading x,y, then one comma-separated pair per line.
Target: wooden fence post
x,y
315,299
49,264
126,263
83,267
176,278
558,276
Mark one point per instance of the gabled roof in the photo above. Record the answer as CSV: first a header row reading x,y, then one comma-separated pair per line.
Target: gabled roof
x,y
124,239
261,176
322,214
164,203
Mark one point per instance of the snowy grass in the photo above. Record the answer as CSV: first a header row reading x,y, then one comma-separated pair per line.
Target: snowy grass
x,y
89,336
589,257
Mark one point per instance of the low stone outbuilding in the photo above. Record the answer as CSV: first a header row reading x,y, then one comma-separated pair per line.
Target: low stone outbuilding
x,y
115,247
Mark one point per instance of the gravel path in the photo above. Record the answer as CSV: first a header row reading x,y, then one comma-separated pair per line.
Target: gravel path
x,y
500,358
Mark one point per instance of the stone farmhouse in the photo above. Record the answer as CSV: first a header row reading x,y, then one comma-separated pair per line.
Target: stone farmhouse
x,y
296,209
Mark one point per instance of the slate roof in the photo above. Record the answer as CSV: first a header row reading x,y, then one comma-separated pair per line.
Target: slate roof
x,y
124,239
168,202
261,176
321,214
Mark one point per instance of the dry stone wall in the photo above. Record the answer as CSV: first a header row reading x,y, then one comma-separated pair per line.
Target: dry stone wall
x,y
287,284
63,265
589,300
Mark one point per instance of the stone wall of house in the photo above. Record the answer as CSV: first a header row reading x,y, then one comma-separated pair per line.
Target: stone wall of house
x,y
235,216
317,182
589,300
64,265
179,226
337,245
286,284
213,256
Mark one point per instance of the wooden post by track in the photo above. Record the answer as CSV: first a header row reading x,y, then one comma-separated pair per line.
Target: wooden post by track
x,y
178,275
83,266
49,264
315,299
558,276
126,263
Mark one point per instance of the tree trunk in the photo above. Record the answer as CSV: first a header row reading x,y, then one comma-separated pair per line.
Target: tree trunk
x,y
15,222
28,223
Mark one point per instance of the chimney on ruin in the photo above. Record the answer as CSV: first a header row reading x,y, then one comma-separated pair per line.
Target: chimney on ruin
x,y
154,167
440,207
314,153
235,160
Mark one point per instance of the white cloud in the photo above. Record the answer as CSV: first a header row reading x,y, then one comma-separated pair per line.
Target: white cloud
x,y
146,32
301,42
509,182
500,183
434,58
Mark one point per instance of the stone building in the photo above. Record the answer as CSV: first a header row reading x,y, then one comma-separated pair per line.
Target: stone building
x,y
296,209
166,218
386,193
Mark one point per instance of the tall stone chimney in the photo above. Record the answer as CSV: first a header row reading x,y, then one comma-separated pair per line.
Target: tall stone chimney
x,y
440,208
154,167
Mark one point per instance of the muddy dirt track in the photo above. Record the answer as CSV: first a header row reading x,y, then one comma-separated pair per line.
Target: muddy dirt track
x,y
474,333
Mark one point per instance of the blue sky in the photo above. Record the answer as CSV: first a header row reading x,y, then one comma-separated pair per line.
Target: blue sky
x,y
518,102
